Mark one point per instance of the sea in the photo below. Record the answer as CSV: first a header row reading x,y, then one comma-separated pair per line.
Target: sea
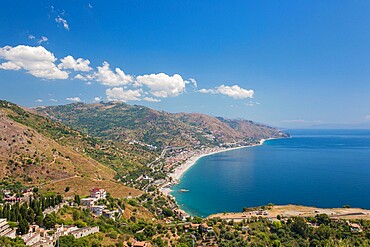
x,y
322,168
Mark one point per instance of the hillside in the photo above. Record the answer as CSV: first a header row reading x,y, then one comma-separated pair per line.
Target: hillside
x,y
37,150
127,123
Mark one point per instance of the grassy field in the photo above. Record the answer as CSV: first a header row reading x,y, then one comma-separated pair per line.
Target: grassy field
x,y
82,186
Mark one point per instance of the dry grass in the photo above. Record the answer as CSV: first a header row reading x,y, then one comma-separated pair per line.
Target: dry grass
x,y
302,211
82,186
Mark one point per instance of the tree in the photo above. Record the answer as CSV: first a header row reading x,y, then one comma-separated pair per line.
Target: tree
x,y
167,212
49,220
76,215
23,226
77,199
300,227
66,189
39,220
30,217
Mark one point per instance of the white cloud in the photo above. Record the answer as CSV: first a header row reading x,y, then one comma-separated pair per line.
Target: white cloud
x,y
234,92
97,99
62,21
53,100
38,61
192,81
212,91
250,103
150,99
162,85
39,100
119,94
31,36
80,77
80,64
10,66
90,6
42,39
74,99
109,78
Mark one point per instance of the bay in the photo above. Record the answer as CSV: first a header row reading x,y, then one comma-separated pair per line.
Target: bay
x,y
323,168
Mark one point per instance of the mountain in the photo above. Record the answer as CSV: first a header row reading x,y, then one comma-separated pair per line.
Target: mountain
x,y
133,123
38,150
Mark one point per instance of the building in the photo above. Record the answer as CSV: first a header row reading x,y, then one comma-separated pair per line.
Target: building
x,y
98,193
88,202
354,227
109,214
141,244
181,214
5,230
83,232
97,210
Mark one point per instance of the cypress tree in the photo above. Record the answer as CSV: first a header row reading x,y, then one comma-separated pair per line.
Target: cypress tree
x,y
23,226
30,217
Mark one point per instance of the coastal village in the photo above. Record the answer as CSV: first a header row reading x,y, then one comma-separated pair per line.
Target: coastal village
x,y
38,236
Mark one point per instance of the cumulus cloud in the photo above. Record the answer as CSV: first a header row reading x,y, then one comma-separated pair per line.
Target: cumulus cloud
x,y
162,85
120,94
62,21
150,99
97,99
78,64
53,100
109,78
74,99
234,92
37,61
39,100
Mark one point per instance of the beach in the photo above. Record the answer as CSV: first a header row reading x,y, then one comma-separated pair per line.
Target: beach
x,y
179,171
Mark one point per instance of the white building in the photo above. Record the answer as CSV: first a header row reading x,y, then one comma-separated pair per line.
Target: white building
x,y
5,230
88,202
84,231
98,193
97,210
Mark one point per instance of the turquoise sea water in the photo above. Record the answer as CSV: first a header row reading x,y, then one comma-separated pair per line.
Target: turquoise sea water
x,y
324,168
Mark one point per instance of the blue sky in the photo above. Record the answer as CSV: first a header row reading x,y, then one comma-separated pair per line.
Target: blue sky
x,y
284,63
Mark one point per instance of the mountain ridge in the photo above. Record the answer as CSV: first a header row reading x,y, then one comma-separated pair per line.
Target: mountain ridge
x,y
124,122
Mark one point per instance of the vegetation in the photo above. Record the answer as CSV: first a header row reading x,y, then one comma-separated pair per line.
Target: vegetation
x,y
154,129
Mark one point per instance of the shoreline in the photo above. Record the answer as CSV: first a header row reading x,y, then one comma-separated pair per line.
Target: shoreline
x,y
183,168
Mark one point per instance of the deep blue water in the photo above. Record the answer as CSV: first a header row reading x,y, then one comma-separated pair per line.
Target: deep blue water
x,y
324,168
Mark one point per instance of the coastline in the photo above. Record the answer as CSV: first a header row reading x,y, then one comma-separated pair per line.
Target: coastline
x,y
183,168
